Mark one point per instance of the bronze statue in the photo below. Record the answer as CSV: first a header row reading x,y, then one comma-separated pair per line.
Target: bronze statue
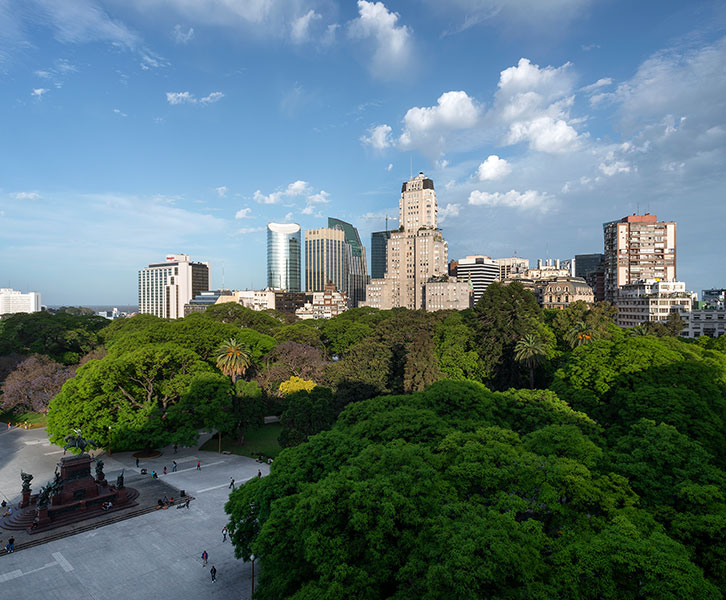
x,y
27,478
44,496
120,480
99,468
76,441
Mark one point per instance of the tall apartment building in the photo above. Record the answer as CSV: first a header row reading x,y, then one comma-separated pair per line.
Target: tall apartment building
x,y
638,247
325,259
415,253
379,253
283,256
480,271
164,288
511,266
13,301
356,276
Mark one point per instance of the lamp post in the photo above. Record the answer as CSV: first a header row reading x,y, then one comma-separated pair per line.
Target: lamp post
x,y
109,440
252,556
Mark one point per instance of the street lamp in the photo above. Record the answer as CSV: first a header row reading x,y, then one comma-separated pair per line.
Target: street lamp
x,y
109,440
252,556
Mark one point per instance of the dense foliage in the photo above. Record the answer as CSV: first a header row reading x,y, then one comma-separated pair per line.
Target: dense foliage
x,y
460,492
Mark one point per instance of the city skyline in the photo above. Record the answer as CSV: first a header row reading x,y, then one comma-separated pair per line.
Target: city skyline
x,y
141,129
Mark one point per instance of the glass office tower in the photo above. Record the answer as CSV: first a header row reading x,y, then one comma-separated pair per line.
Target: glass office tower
x,y
283,256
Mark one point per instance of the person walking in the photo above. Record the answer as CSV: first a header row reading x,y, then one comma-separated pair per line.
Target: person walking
x,y
187,503
259,473
213,573
205,556
11,545
164,469
173,466
224,534
199,465
175,448
231,483
137,463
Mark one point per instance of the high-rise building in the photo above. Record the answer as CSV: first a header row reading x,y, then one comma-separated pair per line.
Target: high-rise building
x,y
13,301
356,276
480,271
164,288
587,263
379,253
283,256
414,253
647,300
638,247
325,259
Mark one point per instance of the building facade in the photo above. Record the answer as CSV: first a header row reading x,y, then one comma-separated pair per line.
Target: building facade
x,y
651,300
325,259
587,263
511,266
202,301
356,275
284,246
447,293
709,321
324,305
560,292
479,271
13,301
714,298
415,253
638,247
164,288
379,253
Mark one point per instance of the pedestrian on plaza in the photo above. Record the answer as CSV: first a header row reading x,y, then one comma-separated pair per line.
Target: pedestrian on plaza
x,y
213,572
205,556
199,465
11,545
173,466
187,503
175,448
164,469
231,483
224,534
137,463
259,473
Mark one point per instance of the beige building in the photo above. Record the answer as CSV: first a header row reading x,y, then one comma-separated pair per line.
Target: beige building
x,y
254,299
325,305
707,321
446,293
651,300
560,292
638,247
511,266
415,253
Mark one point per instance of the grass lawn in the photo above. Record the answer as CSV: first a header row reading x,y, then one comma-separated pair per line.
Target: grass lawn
x,y
258,441
33,419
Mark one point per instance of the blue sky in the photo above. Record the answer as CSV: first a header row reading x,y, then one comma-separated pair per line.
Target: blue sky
x,y
130,129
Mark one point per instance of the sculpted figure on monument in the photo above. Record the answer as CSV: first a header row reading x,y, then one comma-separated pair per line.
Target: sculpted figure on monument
x,y
27,478
99,468
76,441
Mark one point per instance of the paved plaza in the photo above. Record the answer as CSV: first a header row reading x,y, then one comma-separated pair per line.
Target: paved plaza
x,y
155,556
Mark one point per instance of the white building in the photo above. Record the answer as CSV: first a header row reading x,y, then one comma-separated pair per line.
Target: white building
x,y
13,301
255,299
511,266
447,293
325,305
164,288
651,300
709,321
481,271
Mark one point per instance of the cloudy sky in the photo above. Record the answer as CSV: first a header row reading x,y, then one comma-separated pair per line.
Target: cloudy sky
x,y
130,129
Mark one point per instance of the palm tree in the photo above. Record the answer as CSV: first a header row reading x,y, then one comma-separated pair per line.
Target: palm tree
x,y
530,350
233,359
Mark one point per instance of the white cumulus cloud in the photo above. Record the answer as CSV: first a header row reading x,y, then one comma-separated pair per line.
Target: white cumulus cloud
x,y
27,196
450,210
294,189
391,42
243,213
38,92
493,168
529,200
379,137
221,191
300,28
189,98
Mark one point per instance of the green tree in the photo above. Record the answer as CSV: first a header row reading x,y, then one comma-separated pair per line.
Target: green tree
x,y
233,359
531,351
308,412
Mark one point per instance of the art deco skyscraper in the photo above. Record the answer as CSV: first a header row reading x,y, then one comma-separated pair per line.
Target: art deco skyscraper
x,y
283,256
414,253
